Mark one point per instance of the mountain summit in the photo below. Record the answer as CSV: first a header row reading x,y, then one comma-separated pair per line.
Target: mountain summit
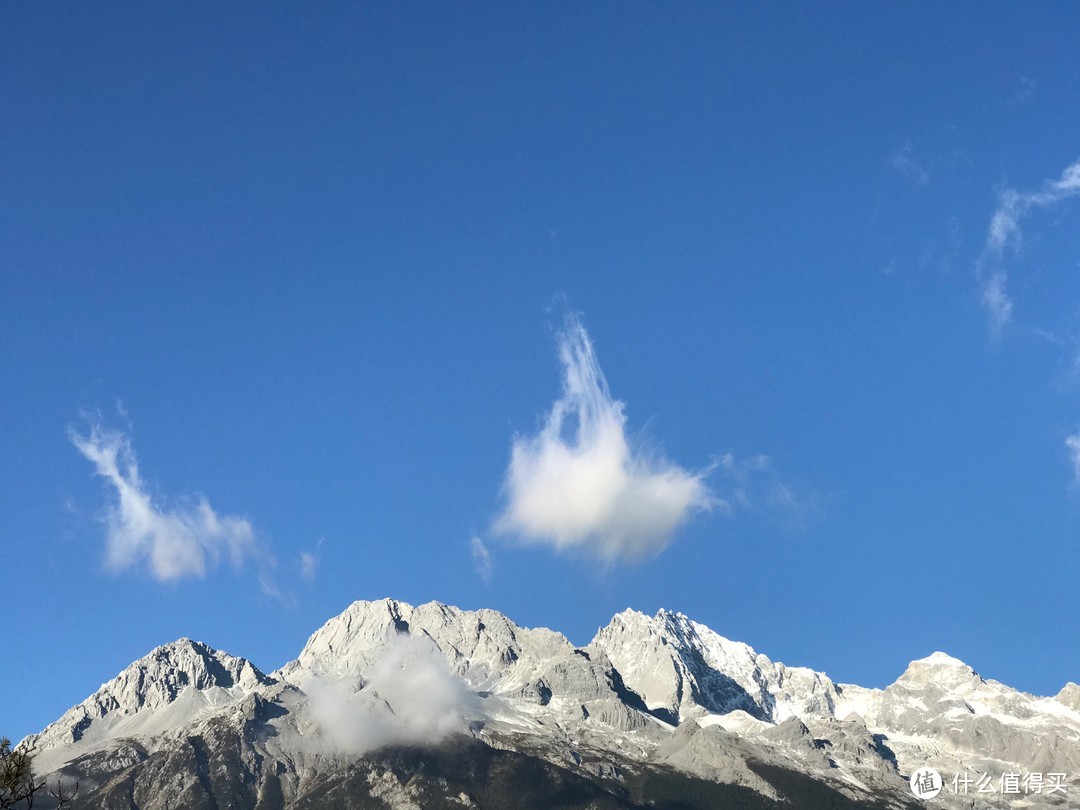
x,y
391,705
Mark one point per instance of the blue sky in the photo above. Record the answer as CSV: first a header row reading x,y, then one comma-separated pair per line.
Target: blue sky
x,y
313,270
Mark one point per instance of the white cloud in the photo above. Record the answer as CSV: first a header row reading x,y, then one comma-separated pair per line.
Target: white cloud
x,y
903,160
309,561
482,560
1004,238
579,484
1072,446
409,696
995,297
182,541
309,565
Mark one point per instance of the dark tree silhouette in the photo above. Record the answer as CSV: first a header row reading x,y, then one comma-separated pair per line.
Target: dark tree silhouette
x,y
18,785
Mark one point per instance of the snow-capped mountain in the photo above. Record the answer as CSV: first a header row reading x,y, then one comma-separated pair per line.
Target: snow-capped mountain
x,y
393,705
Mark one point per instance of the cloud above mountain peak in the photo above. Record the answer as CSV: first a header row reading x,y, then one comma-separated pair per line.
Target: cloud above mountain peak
x,y
581,484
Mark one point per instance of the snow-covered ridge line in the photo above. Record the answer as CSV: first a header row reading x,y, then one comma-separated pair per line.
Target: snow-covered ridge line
x,y
662,686
672,662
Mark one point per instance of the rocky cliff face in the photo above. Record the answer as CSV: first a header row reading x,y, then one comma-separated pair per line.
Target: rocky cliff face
x,y
390,705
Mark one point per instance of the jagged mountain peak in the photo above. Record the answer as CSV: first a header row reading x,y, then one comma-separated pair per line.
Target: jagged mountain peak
x,y
674,625
163,672
677,630
1069,696
663,614
940,659
181,651
938,670
480,646
681,668
183,671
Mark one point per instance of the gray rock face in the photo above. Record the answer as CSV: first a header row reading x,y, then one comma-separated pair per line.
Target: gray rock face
x,y
651,704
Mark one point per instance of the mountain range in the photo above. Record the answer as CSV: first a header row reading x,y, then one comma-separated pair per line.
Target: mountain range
x,y
394,706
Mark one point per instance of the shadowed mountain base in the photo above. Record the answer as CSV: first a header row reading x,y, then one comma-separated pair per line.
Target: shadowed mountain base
x,y
463,773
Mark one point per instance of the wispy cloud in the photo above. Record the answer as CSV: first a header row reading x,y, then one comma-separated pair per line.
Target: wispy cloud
x,y
995,297
183,540
1004,239
482,560
903,160
581,485
757,487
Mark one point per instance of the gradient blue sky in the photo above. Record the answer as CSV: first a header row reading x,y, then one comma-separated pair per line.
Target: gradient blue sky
x,y
312,265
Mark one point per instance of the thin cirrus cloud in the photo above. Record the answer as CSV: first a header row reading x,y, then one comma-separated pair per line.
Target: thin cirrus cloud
x,y
1004,238
755,486
483,563
903,160
309,565
581,485
184,540
1072,447
310,560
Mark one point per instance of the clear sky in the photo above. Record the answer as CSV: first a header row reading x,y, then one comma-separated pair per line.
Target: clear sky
x,y
314,270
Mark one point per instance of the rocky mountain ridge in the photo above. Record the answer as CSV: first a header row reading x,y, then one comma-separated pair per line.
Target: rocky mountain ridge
x,y
650,701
